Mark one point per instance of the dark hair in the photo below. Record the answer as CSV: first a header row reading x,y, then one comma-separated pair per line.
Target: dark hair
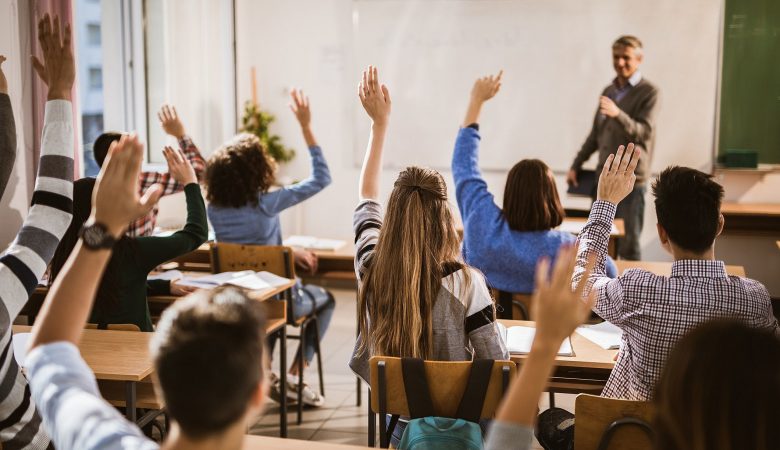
x,y
704,401
531,201
102,144
107,297
627,41
208,356
239,171
687,203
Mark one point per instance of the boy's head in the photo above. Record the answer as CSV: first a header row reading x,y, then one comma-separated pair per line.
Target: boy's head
x,y
102,144
208,356
687,203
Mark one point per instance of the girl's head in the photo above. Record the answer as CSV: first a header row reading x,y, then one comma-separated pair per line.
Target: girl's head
x,y
418,239
239,171
720,390
531,201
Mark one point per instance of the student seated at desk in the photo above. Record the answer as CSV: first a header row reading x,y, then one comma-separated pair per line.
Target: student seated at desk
x,y
415,299
207,351
505,243
244,210
121,297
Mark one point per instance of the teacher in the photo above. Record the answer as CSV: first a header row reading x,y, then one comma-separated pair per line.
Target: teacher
x,y
626,114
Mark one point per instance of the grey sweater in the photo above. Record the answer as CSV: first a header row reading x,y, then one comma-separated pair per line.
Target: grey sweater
x,y
635,123
7,141
463,317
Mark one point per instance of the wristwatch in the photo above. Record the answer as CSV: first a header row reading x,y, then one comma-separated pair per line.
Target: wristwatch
x,y
96,236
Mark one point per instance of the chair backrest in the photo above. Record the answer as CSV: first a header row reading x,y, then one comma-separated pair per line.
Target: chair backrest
x,y
276,259
115,326
608,423
513,305
446,381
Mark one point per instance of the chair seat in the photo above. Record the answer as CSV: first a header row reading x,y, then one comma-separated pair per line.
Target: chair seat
x,y
114,393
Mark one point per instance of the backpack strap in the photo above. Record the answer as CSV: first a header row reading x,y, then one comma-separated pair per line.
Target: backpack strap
x,y
418,396
473,399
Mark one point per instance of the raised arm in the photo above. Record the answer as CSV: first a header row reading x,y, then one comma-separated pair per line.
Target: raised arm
x,y
375,99
116,203
7,132
483,90
559,311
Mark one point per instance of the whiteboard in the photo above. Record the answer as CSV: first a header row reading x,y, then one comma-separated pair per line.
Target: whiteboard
x,y
556,56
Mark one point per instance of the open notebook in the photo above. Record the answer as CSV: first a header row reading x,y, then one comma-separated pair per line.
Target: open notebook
x,y
519,340
605,335
313,243
246,279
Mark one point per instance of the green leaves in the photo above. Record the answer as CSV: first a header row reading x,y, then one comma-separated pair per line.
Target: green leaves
x,y
257,122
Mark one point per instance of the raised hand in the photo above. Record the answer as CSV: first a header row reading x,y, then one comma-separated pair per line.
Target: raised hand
x,y
58,69
3,80
486,87
300,107
608,107
374,97
558,309
617,177
179,166
115,200
170,122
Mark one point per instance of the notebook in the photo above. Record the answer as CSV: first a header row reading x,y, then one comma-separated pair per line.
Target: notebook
x,y
246,279
519,339
313,243
605,335
586,184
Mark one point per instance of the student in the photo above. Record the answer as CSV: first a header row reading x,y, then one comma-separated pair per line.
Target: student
x,y
415,299
559,311
705,401
505,243
173,126
23,263
207,352
655,311
243,210
121,296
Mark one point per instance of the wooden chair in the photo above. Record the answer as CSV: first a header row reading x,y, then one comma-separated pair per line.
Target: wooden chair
x,y
388,395
514,306
614,424
279,261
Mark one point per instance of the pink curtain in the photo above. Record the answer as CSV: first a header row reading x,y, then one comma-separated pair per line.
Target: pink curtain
x,y
63,9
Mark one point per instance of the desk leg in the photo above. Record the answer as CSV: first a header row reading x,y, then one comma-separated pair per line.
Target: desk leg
x,y
283,381
130,396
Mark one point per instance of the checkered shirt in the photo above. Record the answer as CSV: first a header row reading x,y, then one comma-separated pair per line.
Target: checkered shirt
x,y
145,225
656,311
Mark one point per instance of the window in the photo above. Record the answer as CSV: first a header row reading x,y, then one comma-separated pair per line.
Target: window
x,y
87,17
96,78
93,34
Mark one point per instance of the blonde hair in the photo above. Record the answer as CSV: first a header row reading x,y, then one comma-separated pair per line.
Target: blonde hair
x,y
417,243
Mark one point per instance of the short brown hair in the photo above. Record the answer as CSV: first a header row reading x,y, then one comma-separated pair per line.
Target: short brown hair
x,y
239,171
208,357
627,41
531,201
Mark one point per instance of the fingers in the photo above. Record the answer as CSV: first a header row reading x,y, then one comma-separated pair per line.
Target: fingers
x,y
55,34
39,67
66,37
2,59
637,154
626,157
607,164
149,199
374,80
386,93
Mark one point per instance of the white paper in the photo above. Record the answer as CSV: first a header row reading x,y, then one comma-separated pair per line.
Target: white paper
x,y
519,340
313,243
605,335
246,279
168,275
20,347
576,226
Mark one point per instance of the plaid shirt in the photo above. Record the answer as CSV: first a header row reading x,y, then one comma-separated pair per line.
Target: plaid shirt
x,y
655,311
145,225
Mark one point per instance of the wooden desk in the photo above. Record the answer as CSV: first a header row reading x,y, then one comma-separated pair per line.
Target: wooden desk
x,y
751,218
665,268
265,443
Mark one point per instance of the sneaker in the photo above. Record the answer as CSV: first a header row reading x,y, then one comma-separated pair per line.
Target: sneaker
x,y
275,391
309,396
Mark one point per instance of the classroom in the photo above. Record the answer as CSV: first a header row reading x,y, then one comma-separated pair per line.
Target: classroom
x,y
414,224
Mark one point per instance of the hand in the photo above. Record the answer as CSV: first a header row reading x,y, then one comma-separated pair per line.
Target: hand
x,y
306,261
115,200
58,70
375,98
608,107
179,290
558,309
571,178
179,166
300,107
3,80
617,177
170,122
486,87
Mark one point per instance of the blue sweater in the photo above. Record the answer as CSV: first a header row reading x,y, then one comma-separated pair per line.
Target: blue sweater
x,y
259,225
506,257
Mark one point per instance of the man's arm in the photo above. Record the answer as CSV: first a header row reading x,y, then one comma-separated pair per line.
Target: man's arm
x,y
590,145
639,127
7,132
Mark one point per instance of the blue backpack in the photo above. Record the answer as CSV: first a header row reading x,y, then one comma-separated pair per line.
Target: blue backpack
x,y
425,431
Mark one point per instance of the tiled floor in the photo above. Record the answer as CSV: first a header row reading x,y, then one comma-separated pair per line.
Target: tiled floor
x,y
339,421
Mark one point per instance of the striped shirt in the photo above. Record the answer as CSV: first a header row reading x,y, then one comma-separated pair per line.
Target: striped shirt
x,y
463,319
655,311
23,264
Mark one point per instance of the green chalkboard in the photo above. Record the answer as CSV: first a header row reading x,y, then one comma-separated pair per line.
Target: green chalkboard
x,y
750,81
